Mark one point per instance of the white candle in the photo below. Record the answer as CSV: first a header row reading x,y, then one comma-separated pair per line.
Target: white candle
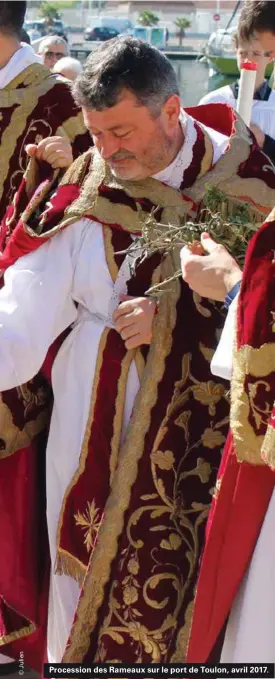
x,y
246,91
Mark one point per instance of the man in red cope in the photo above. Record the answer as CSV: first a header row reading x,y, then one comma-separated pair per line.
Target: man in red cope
x,y
234,615
38,118
138,421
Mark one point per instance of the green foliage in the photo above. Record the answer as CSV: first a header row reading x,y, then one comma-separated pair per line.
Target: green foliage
x,y
49,11
182,23
148,18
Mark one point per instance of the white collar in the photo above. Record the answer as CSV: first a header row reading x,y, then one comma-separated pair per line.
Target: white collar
x,y
173,175
24,57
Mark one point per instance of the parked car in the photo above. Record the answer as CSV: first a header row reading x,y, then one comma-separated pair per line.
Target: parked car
x,y
100,33
40,28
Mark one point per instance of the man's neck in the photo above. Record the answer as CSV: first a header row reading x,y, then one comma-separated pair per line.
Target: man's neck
x,y
174,149
8,46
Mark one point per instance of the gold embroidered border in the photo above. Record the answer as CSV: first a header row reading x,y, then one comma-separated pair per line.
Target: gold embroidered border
x,y
119,410
268,447
71,565
222,175
257,363
20,115
126,473
109,252
14,437
20,634
208,156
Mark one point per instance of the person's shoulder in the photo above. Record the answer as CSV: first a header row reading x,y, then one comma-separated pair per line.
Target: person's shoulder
x,y
223,95
79,169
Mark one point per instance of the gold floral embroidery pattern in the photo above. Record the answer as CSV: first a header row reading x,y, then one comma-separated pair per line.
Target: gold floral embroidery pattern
x,y
124,478
178,530
249,402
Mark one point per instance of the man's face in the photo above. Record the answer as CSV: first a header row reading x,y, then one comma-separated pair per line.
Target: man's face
x,y
267,40
133,143
253,51
52,54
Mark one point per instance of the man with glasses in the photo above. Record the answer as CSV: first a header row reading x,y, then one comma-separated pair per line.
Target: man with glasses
x,y
51,49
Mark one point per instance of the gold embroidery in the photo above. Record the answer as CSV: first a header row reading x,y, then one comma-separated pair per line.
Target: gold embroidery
x,y
99,572
217,488
90,522
260,363
20,634
13,438
67,563
109,252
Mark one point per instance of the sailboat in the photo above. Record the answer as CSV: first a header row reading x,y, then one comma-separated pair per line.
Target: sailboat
x,y
220,53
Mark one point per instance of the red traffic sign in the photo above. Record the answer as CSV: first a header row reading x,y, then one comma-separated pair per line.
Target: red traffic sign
x,y
216,17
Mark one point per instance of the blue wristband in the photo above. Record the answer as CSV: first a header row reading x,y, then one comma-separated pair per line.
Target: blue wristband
x,y
232,294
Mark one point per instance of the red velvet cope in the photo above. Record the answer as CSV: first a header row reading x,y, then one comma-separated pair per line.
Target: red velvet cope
x,y
234,526
219,117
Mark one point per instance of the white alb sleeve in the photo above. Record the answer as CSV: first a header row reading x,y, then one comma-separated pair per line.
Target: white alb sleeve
x,y
36,305
221,364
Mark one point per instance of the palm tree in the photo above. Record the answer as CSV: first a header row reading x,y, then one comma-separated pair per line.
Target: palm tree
x,y
182,23
148,18
49,11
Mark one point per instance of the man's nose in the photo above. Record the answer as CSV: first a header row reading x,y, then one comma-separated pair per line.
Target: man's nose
x,y
109,145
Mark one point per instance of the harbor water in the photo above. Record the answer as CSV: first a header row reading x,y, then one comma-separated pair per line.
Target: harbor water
x,y
195,80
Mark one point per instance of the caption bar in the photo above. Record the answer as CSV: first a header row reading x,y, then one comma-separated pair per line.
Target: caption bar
x,y
108,670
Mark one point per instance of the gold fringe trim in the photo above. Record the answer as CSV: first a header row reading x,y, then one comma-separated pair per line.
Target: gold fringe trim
x,y
20,634
67,564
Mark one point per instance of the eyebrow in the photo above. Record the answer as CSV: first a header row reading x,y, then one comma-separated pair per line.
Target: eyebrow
x,y
115,128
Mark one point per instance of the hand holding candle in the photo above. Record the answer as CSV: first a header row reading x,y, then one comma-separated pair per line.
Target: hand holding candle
x,y
246,91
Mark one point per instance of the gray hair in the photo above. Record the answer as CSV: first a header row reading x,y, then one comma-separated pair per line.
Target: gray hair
x,y
52,40
68,67
130,64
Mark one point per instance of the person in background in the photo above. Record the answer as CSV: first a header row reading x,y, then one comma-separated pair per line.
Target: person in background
x,y
68,67
263,110
51,49
234,614
38,117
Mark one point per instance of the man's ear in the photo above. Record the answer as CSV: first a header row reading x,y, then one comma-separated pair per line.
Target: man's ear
x,y
171,110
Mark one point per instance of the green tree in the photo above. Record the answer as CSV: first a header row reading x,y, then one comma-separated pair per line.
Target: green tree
x,y
49,11
182,24
148,18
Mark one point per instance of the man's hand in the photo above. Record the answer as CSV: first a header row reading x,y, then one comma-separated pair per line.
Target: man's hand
x,y
260,136
134,320
213,275
56,151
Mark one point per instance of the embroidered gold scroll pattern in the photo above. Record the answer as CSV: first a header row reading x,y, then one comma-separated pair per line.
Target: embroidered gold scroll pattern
x,y
176,527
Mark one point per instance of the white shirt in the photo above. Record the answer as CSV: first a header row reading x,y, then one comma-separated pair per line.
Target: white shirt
x,y
263,112
21,59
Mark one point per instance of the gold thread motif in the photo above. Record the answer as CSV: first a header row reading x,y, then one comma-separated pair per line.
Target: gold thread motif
x,y
99,571
247,436
15,438
63,564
